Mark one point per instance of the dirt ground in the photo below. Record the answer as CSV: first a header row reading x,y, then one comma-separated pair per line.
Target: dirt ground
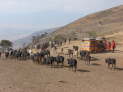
x,y
25,76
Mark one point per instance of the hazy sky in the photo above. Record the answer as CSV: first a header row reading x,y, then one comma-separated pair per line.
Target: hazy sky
x,y
22,17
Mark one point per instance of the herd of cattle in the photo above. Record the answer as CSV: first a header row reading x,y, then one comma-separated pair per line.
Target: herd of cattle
x,y
45,58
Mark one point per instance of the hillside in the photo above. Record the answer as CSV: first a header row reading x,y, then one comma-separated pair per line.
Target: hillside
x,y
26,40
99,24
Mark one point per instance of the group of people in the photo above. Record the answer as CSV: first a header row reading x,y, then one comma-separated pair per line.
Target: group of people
x,y
110,46
106,45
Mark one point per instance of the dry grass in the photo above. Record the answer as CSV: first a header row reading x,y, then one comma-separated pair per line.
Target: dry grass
x,y
101,23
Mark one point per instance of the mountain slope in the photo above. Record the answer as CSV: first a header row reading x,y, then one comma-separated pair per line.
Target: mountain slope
x,y
99,24
26,40
107,23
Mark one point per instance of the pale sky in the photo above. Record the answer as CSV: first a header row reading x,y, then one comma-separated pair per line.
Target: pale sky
x,y
19,18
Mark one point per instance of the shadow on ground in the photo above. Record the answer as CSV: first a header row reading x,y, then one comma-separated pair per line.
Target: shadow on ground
x,y
119,69
95,64
56,66
81,70
61,81
94,59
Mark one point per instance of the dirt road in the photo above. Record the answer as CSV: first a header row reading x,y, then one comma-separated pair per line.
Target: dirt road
x,y
24,76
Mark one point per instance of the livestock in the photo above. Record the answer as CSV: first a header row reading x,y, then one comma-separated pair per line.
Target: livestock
x,y
39,57
112,62
46,52
83,54
6,55
72,63
59,59
34,58
70,52
76,48
49,60
87,59
19,54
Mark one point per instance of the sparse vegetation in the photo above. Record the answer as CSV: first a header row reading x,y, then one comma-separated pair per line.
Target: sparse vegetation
x,y
95,25
6,44
92,34
59,38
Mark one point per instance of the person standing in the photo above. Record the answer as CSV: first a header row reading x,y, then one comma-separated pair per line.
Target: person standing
x,y
69,40
106,45
113,45
109,46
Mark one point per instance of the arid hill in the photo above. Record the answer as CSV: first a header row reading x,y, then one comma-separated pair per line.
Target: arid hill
x,y
107,23
102,23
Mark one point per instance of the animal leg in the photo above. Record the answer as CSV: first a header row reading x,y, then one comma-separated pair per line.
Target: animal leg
x,y
75,68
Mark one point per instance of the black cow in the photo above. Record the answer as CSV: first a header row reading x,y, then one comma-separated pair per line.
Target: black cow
x,y
83,54
59,59
72,63
46,52
88,59
39,57
49,60
35,58
46,60
111,61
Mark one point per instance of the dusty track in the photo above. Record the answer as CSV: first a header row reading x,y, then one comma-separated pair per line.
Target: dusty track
x,y
24,76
